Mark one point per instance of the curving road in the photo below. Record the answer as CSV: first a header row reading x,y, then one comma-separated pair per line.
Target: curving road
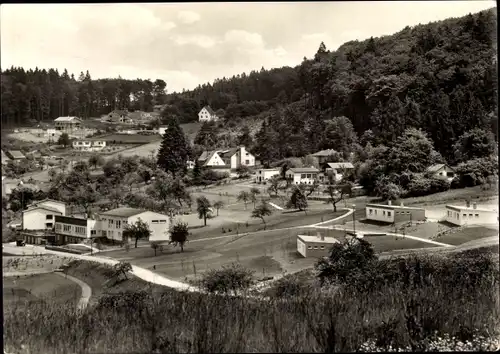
x,y
86,291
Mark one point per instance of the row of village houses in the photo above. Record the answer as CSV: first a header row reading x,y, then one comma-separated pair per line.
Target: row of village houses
x,y
46,221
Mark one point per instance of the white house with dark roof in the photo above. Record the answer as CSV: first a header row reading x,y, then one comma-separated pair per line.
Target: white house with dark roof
x,y
338,169
68,123
113,222
207,114
303,175
441,170
237,156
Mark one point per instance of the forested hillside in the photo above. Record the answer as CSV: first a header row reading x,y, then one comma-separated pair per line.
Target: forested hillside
x,y
440,77
41,95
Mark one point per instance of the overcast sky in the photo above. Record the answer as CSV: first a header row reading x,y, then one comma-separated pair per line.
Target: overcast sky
x,y
187,44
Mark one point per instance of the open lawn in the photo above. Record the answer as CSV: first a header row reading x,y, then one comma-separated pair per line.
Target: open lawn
x,y
42,287
467,234
129,138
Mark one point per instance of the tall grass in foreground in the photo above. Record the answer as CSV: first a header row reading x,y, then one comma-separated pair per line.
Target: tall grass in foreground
x,y
410,303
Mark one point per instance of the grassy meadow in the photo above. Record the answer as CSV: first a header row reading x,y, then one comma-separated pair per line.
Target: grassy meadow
x,y
426,303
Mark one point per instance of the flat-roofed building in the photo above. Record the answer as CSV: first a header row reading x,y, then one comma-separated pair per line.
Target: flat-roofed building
x,y
70,229
470,215
265,174
394,213
315,246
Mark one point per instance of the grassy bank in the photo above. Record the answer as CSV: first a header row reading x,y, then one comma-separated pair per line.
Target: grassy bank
x,y
409,305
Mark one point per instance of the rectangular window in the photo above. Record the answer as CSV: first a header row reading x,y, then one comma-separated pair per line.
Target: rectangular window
x,y
247,162
322,247
477,215
308,175
309,248
464,216
93,232
58,226
48,217
375,211
315,247
383,212
110,222
163,221
371,211
449,213
118,224
471,215
303,175
67,228
154,221
389,214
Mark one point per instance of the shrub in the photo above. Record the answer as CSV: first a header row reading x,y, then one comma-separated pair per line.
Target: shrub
x,y
233,278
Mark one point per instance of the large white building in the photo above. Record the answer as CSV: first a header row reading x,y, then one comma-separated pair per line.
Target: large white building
x,y
113,222
231,158
89,144
394,213
41,215
470,215
207,114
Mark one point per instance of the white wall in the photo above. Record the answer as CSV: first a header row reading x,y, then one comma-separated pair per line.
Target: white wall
x,y
244,157
215,160
379,214
266,175
58,206
472,217
301,247
159,231
36,219
162,130
298,180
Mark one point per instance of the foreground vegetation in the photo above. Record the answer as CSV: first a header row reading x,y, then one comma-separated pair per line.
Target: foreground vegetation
x,y
420,303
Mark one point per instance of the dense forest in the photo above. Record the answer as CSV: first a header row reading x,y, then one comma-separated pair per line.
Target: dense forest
x,y
440,77
41,95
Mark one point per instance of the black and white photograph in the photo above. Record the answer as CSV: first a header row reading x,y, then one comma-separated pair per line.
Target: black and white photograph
x,y
250,177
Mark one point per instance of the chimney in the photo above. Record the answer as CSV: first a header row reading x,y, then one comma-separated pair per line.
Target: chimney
x,y
402,204
389,202
467,203
474,205
321,236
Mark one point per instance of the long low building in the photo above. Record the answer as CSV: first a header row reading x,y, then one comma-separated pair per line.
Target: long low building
x,y
470,215
315,246
265,174
74,230
394,213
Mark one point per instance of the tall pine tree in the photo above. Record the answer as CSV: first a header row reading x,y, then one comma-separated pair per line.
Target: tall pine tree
x,y
174,150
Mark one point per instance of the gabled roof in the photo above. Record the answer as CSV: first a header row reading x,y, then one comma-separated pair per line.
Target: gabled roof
x,y
123,212
50,200
43,207
206,155
4,156
210,110
336,165
228,153
67,119
16,154
325,153
304,170
436,167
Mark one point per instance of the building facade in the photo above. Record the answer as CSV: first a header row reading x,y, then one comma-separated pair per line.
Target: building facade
x,y
470,215
237,157
39,218
394,213
305,175
74,230
266,174
68,123
315,246
113,223
89,145
338,169
211,158
207,114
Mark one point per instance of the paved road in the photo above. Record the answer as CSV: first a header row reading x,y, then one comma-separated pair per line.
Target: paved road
x,y
86,290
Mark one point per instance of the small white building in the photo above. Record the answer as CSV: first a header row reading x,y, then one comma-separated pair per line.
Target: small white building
x,y
470,215
89,144
113,222
394,213
68,123
162,129
303,175
315,246
266,174
74,230
207,114
50,133
442,171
